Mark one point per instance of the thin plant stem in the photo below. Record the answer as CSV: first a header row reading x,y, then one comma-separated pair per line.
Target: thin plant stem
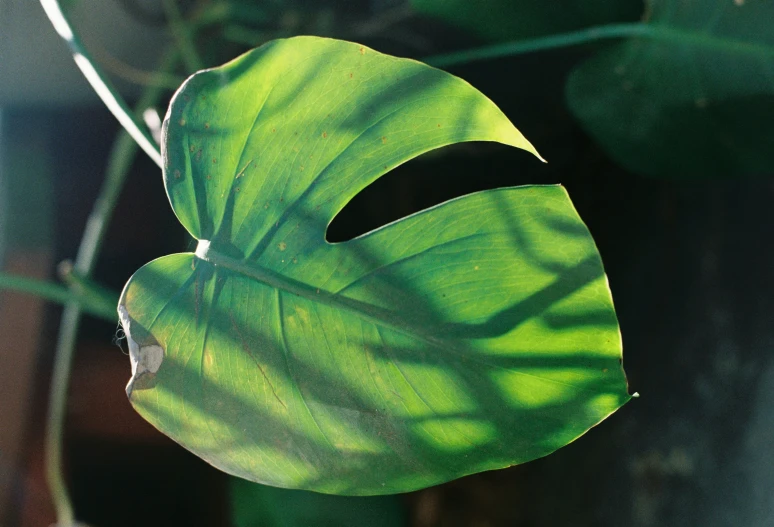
x,y
136,75
121,158
104,88
612,31
245,36
384,22
182,34
95,293
57,293
520,47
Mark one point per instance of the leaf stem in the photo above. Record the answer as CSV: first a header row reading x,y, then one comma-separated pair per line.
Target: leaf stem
x,y
56,293
612,31
121,158
95,293
99,81
520,47
183,36
243,35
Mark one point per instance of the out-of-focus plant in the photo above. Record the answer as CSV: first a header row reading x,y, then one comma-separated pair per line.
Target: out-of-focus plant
x,y
688,93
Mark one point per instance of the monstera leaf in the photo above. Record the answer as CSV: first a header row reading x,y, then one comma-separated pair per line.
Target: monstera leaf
x,y
471,336
512,20
693,96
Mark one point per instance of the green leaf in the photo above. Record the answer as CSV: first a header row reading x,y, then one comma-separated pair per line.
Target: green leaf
x,y
692,97
498,20
254,505
470,336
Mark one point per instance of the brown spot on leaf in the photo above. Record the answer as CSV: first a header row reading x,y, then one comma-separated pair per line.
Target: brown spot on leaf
x,y
384,140
325,134
282,246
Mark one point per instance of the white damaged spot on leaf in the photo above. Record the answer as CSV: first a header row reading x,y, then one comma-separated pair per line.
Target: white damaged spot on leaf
x,y
145,358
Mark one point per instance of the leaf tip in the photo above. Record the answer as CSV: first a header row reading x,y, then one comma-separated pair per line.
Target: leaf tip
x,y
518,140
529,147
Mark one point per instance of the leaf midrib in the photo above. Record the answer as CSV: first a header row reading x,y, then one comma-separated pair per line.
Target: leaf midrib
x,y
669,32
376,314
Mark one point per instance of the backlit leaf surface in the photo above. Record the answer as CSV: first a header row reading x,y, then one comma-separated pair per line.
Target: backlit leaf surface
x,y
471,336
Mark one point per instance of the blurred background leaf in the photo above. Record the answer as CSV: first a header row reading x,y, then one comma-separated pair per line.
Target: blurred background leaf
x,y
255,505
497,20
692,97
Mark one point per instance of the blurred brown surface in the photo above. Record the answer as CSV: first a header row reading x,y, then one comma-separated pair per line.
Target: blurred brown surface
x,y
98,407
21,318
